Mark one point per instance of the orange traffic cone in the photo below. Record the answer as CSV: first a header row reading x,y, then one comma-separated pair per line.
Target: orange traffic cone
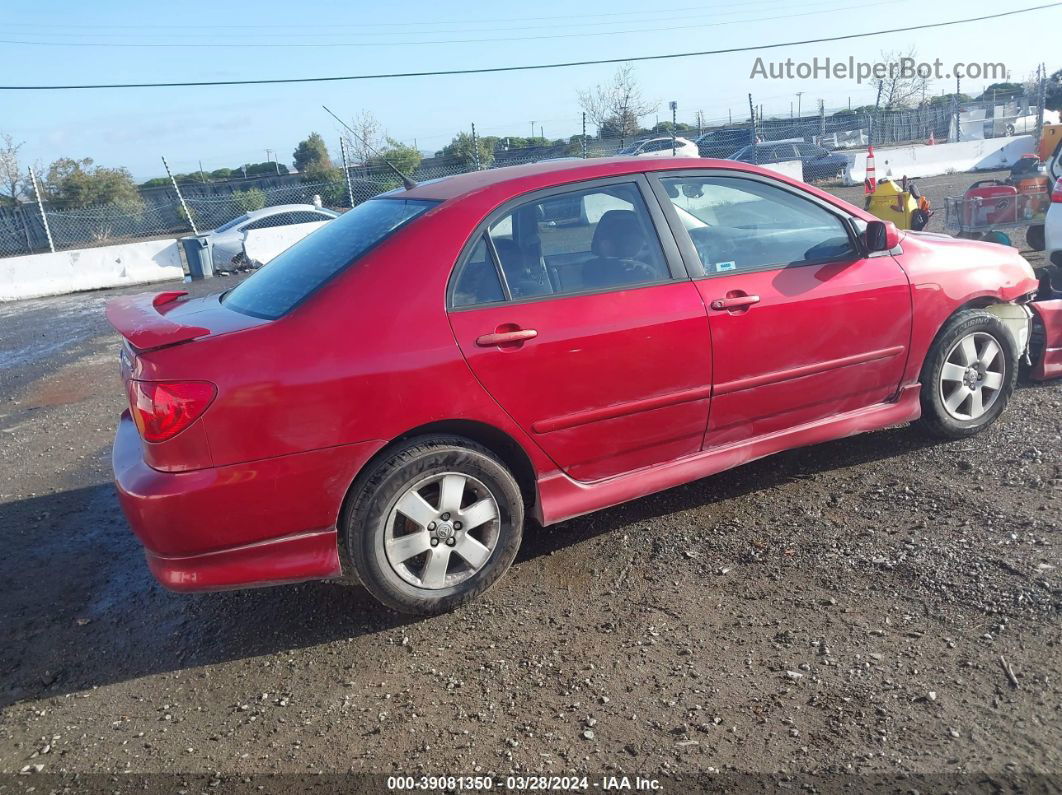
x,y
870,184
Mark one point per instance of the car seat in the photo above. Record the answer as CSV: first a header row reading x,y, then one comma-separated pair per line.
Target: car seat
x,y
618,242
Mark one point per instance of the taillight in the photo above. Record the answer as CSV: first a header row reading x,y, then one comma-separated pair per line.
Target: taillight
x,y
1056,194
162,409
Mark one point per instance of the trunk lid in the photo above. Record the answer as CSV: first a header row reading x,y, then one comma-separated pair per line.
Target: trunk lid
x,y
152,321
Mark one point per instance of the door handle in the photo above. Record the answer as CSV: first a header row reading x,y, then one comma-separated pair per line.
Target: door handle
x,y
506,337
735,302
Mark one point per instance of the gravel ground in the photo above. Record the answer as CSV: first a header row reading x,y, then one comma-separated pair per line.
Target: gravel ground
x,y
843,608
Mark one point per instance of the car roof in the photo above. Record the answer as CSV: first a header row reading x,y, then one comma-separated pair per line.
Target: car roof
x,y
545,174
285,208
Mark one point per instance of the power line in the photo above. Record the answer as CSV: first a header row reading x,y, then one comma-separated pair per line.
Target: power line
x,y
492,39
567,24
360,25
529,67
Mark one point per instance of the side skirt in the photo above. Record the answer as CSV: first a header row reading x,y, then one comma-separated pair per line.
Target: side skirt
x,y
562,498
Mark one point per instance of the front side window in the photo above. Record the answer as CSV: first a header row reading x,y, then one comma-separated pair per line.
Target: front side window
x,y
739,224
582,241
301,269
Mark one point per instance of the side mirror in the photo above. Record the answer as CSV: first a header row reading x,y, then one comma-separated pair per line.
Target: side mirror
x,y
881,236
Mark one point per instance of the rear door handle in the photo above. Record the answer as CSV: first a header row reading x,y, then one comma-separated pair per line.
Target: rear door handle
x,y
736,302
506,337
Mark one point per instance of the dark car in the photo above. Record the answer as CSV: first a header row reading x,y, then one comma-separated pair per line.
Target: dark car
x,y
818,163
723,141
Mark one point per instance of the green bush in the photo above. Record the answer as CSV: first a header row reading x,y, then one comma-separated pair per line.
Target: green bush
x,y
249,200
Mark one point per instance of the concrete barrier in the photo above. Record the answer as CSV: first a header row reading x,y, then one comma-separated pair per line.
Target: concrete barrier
x,y
794,169
72,271
262,245
932,161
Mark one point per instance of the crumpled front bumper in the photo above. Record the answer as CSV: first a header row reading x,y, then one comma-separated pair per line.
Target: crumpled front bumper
x,y
1046,347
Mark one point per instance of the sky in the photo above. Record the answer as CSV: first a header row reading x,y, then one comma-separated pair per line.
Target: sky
x,y
53,42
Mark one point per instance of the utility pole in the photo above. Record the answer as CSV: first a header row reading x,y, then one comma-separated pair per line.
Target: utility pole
x,y
202,174
584,135
40,206
475,146
1041,101
674,116
532,129
958,91
346,170
269,156
184,205
752,131
799,94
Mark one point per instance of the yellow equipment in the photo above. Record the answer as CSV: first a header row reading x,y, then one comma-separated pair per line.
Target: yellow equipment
x,y
900,204
1050,142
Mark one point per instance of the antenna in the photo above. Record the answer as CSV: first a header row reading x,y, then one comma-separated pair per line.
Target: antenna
x,y
407,183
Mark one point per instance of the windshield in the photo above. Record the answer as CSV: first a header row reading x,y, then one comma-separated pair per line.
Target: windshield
x,y
630,150
319,256
237,220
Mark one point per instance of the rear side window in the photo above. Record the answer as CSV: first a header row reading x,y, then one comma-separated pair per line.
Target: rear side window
x,y
576,242
304,267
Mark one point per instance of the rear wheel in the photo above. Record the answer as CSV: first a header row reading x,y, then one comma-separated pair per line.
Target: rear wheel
x,y
434,524
968,376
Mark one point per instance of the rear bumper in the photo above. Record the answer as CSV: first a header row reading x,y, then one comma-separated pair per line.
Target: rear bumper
x,y
257,523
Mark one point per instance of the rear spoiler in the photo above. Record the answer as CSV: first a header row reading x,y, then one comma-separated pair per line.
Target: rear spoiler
x,y
140,320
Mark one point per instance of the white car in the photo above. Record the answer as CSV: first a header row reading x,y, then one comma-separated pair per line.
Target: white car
x,y
227,240
661,147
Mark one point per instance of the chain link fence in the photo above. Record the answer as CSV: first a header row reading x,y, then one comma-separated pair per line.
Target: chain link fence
x,y
159,211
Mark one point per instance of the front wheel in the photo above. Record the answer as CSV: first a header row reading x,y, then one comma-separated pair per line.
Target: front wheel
x,y
434,523
968,376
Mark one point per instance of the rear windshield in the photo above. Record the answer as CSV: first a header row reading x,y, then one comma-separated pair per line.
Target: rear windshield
x,y
319,256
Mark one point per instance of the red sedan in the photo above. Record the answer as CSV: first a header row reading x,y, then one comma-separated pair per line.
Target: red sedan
x,y
396,393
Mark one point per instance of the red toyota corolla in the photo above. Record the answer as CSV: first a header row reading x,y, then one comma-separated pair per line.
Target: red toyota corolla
x,y
398,391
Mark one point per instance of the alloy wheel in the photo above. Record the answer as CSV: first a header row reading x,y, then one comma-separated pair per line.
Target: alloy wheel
x,y
442,530
972,377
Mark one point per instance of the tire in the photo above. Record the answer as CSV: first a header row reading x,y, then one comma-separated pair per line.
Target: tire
x,y
948,412
378,532
1036,238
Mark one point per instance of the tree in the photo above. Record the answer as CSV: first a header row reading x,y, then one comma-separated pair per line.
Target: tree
x,y
80,183
12,183
363,146
264,169
616,107
1001,92
249,200
462,150
899,90
311,157
405,158
1054,91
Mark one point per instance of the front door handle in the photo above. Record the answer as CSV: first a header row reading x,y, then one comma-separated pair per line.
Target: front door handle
x,y
735,302
508,337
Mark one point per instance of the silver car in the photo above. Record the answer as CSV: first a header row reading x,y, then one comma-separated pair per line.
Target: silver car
x,y
227,240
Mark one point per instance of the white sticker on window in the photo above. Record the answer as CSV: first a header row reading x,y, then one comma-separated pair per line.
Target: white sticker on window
x,y
725,266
